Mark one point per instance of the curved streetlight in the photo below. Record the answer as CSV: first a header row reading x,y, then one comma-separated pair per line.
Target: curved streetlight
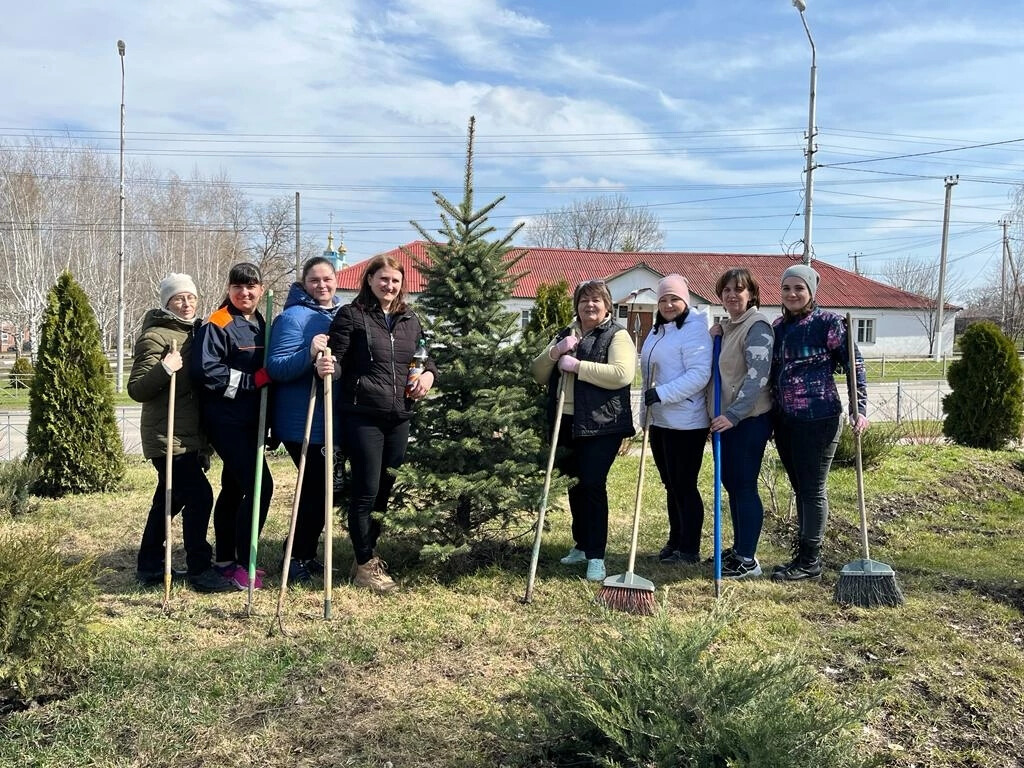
x,y
801,6
119,384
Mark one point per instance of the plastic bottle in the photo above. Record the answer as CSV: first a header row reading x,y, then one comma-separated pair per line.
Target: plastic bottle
x,y
416,367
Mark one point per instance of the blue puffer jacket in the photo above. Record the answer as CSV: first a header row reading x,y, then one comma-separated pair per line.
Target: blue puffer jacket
x,y
291,368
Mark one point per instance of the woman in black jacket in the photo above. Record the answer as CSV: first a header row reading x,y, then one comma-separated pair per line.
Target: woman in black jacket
x,y
373,340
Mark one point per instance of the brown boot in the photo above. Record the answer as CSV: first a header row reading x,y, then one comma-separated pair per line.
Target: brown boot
x,y
374,576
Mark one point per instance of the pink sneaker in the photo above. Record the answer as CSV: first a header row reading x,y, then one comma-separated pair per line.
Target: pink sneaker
x,y
240,577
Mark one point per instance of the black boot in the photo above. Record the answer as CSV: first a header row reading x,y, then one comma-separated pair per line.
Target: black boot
x,y
794,558
805,567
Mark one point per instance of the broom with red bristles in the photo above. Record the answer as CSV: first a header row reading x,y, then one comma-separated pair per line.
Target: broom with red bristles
x,y
628,592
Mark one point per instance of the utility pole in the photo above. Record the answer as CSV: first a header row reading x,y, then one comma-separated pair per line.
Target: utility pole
x,y
856,267
801,6
298,247
950,182
119,370
1005,223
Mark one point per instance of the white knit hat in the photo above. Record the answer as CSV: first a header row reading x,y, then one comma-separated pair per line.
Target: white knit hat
x,y
176,283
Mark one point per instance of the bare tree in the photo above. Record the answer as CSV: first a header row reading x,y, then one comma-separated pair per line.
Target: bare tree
x,y
607,223
921,277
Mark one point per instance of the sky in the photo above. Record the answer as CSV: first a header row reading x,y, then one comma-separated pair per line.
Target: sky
x,y
695,110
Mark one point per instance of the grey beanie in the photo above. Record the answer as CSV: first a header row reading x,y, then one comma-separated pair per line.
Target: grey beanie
x,y
174,284
805,273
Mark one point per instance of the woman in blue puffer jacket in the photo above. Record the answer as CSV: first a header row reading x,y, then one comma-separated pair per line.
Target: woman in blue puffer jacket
x,y
298,335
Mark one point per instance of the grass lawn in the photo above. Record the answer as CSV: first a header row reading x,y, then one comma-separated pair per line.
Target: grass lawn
x,y
408,680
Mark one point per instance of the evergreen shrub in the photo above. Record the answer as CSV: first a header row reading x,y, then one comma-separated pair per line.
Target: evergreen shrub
x,y
552,311
875,444
986,407
656,695
21,374
72,428
45,606
17,478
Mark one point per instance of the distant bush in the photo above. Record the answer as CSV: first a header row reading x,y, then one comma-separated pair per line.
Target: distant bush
x,y
875,444
658,696
45,605
17,478
986,407
21,374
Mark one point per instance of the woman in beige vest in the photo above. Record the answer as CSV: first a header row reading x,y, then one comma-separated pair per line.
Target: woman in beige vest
x,y
745,421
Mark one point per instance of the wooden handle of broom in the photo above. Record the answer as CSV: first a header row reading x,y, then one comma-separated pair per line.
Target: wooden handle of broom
x,y
328,493
290,541
168,483
645,427
851,385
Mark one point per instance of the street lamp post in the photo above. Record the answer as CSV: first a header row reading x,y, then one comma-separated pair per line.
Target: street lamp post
x,y
801,6
119,385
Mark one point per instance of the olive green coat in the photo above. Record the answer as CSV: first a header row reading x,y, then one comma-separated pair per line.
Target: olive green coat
x,y
149,384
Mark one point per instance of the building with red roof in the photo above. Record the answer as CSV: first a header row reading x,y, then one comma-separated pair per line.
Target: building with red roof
x,y
889,321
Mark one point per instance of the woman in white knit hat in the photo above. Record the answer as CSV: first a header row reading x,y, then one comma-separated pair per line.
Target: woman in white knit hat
x,y
810,346
676,365
163,349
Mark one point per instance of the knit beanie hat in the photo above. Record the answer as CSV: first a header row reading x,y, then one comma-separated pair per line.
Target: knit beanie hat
x,y
174,284
674,284
805,273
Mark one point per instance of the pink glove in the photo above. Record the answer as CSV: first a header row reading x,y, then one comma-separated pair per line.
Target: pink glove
x,y
568,364
567,345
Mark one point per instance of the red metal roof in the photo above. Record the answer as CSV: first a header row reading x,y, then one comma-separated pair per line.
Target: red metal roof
x,y
837,287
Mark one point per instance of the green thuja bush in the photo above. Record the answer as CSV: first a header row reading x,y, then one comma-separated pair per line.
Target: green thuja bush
x,y
45,606
986,407
875,444
72,429
657,695
17,479
21,374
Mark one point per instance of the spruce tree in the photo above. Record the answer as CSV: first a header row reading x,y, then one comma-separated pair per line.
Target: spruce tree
x,y
986,407
475,467
72,429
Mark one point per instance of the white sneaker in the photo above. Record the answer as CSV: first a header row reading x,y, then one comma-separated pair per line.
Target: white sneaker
x,y
574,556
595,570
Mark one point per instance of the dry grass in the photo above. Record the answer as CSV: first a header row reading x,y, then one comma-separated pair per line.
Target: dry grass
x,y
413,678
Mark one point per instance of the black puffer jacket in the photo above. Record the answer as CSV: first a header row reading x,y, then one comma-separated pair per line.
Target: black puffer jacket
x,y
374,359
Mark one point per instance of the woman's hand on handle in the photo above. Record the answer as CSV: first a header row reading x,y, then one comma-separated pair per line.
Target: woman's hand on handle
x,y
720,424
860,423
326,366
317,345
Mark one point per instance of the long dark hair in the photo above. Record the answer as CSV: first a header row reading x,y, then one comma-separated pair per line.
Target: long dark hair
x,y
365,298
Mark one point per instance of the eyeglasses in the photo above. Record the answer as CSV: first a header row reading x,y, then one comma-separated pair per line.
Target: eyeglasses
x,y
182,298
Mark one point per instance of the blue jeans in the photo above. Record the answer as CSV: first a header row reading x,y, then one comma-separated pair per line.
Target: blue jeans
x,y
806,449
742,452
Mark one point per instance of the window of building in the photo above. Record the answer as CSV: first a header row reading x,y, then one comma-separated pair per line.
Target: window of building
x,y
865,331
524,317
623,311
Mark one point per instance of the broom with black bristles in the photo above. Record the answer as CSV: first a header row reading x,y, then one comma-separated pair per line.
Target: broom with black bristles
x,y
865,582
628,592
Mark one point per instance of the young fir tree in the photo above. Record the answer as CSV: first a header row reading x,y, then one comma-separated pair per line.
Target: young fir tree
x,y
986,407
475,465
72,430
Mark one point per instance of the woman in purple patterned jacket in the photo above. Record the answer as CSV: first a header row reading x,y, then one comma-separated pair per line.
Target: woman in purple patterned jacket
x,y
810,346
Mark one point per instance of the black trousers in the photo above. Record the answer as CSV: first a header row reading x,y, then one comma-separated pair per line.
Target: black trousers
x,y
374,445
806,449
678,454
232,514
192,496
310,522
588,460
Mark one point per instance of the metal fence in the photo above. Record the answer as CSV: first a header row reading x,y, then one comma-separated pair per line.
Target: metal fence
x,y
14,431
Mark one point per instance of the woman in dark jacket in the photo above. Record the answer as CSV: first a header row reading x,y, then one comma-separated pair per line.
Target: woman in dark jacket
x,y
599,360
227,366
298,335
373,340
161,351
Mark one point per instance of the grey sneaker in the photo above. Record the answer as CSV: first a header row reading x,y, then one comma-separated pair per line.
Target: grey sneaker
x,y
373,575
595,570
736,567
575,556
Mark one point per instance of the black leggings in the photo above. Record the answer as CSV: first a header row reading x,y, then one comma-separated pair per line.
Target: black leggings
x,y
192,496
374,445
310,522
678,454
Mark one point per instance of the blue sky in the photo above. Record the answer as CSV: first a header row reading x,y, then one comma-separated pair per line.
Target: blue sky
x,y
696,109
